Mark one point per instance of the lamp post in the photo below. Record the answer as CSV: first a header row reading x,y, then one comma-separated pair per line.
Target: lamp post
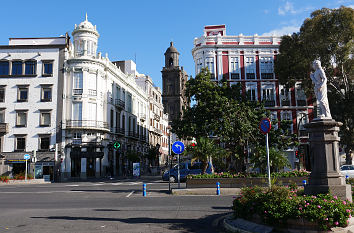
x,y
169,157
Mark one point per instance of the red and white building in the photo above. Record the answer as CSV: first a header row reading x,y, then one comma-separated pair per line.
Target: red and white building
x,y
249,60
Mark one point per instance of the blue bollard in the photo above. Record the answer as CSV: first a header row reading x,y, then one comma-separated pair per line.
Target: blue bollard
x,y
144,190
304,183
346,177
217,188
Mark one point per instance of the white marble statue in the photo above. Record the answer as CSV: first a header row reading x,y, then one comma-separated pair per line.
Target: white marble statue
x,y
320,81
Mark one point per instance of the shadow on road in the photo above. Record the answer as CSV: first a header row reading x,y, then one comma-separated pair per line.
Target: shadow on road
x,y
202,225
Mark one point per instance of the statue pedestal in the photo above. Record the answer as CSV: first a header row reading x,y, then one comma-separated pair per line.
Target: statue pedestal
x,y
324,153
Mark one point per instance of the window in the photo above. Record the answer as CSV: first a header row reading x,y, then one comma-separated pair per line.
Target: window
x,y
47,68
284,96
287,116
268,95
21,118
234,68
302,119
4,68
77,83
44,142
251,89
46,95
22,95
44,118
300,95
209,62
250,68
267,69
112,113
30,67
2,115
20,142
16,68
77,111
2,94
199,65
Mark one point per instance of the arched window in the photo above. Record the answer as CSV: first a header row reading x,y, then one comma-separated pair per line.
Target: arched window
x,y
170,62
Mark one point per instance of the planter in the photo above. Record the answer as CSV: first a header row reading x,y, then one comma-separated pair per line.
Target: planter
x,y
240,182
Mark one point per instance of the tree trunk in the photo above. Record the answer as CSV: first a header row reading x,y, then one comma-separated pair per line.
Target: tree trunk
x,y
348,156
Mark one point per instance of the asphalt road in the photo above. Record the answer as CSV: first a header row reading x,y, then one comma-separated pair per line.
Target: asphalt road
x,y
107,206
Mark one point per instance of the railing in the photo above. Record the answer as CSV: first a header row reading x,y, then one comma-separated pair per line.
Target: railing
x,y
4,128
119,103
158,131
76,141
87,124
133,134
119,130
142,116
269,103
301,102
156,117
92,92
285,102
77,91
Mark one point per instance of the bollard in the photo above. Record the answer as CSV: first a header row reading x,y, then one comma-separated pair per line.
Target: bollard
x,y
304,183
144,190
346,177
217,188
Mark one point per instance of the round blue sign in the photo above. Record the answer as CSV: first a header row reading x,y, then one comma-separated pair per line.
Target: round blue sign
x,y
265,125
26,156
178,147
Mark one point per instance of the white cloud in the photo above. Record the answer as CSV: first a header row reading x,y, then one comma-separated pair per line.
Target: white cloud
x,y
289,8
283,31
351,6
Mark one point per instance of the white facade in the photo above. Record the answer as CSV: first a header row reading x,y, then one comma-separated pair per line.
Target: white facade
x,y
103,105
30,82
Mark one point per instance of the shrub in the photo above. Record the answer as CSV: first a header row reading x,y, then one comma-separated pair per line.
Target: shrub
x,y
21,176
276,205
4,179
294,173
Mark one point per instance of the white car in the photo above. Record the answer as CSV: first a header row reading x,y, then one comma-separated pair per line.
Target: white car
x,y
347,170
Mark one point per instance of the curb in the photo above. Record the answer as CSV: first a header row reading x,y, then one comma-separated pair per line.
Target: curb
x,y
207,191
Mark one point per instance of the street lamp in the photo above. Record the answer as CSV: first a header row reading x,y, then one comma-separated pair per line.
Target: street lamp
x,y
169,157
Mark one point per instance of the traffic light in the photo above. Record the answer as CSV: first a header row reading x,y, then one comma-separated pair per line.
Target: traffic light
x,y
193,144
297,154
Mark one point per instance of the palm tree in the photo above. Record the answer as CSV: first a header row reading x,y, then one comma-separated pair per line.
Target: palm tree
x,y
204,151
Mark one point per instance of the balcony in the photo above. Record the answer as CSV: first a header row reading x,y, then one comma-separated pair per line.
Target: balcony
x,y
142,117
158,131
285,102
77,141
87,124
119,130
91,92
156,117
269,103
4,128
77,91
119,104
301,102
133,134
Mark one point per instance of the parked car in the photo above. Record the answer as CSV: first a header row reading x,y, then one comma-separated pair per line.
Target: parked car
x,y
185,169
347,170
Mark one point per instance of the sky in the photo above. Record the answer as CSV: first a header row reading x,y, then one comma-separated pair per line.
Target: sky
x,y
141,30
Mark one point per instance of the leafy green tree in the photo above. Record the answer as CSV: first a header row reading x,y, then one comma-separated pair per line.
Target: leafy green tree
x,y
327,35
224,112
277,159
153,153
205,150
133,156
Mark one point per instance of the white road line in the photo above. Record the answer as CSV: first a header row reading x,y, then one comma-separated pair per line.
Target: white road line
x,y
130,193
97,184
72,185
116,183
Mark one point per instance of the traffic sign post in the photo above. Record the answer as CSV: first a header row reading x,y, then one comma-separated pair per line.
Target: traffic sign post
x,y
178,148
26,157
265,125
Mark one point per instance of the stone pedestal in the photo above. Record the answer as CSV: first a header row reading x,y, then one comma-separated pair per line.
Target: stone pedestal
x,y
324,153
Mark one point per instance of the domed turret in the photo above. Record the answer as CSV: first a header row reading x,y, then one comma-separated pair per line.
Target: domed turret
x,y
85,38
171,56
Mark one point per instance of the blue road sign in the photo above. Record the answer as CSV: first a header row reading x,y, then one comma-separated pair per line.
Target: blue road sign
x,y
178,147
265,125
26,156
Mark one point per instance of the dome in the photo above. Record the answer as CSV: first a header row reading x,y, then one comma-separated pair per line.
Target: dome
x,y
171,49
85,26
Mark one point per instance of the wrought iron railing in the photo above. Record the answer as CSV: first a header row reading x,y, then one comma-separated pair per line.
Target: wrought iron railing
x,y
87,124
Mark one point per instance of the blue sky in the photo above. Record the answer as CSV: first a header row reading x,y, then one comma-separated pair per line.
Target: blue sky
x,y
144,29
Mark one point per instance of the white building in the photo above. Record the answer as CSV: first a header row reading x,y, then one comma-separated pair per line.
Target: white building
x,y
31,82
103,106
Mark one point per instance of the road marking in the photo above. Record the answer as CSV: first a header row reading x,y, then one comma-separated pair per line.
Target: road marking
x,y
97,184
72,185
116,183
130,193
135,183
